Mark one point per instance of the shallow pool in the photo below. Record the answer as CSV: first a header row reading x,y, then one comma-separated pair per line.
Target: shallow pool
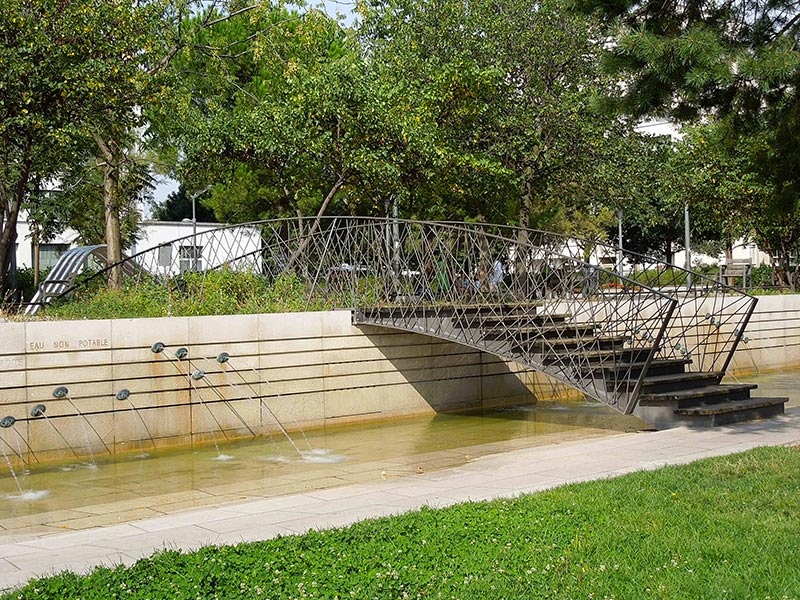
x,y
145,484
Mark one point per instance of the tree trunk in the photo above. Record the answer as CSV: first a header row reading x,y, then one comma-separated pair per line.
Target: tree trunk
x,y
8,239
728,261
113,235
11,204
525,207
36,256
111,155
297,254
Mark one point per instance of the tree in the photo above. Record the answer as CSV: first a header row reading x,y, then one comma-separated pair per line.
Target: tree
x,y
83,194
278,112
733,65
47,217
729,58
718,179
177,206
639,180
733,196
511,87
72,74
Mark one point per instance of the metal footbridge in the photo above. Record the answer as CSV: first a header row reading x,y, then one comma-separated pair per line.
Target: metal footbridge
x,y
633,332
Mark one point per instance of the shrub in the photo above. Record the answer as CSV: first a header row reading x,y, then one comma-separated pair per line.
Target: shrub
x,y
146,300
761,276
660,277
217,292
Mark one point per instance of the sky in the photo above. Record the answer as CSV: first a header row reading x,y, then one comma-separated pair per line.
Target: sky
x,y
342,7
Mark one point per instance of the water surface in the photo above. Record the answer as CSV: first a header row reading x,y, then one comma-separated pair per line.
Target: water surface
x,y
77,495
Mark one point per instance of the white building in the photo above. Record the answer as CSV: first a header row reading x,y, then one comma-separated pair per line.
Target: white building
x,y
175,254
48,253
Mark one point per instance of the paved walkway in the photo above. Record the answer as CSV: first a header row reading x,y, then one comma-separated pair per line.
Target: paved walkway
x,y
500,475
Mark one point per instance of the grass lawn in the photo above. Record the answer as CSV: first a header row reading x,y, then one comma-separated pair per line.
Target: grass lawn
x,y
719,528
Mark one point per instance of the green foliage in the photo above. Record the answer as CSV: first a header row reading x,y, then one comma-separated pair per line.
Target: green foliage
x,y
734,192
509,97
224,291
763,280
22,291
25,283
734,66
734,58
639,181
81,204
660,277
218,292
178,206
721,527
71,72
761,276
280,106
769,291
103,303
453,112
716,177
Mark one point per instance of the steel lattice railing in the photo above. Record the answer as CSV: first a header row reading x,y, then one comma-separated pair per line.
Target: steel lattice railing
x,y
710,318
524,295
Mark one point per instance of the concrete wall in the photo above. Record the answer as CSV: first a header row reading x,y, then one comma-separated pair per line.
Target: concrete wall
x,y
308,369
774,337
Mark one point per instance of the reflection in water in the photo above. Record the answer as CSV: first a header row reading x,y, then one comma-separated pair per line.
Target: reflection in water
x,y
321,456
73,496
778,384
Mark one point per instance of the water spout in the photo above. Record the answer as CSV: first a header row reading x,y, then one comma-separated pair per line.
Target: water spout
x,y
40,411
123,395
263,404
194,376
62,392
6,423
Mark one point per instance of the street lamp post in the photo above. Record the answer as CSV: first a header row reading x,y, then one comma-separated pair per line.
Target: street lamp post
x,y
194,198
687,245
620,254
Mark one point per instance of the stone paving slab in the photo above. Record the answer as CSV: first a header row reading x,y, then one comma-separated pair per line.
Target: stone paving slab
x,y
502,475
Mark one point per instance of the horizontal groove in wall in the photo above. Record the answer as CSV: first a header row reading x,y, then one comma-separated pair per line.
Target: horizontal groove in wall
x,y
304,373
196,403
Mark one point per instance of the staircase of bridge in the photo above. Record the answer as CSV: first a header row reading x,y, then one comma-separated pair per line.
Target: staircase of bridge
x,y
633,332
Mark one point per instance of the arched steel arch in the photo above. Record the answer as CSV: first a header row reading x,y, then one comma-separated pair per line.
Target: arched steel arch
x,y
534,297
61,278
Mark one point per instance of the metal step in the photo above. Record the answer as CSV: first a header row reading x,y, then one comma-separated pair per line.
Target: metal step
x,y
480,311
662,384
627,368
574,351
602,356
523,318
581,344
523,334
714,415
727,407
709,394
